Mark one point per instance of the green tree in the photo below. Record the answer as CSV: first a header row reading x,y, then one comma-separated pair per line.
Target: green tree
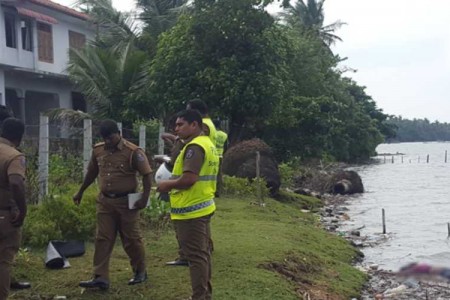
x,y
231,56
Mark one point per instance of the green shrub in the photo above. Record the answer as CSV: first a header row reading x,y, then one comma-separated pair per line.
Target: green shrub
x,y
65,170
157,215
235,186
57,217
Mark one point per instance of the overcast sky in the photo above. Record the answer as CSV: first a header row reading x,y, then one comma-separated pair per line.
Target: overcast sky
x,y
400,49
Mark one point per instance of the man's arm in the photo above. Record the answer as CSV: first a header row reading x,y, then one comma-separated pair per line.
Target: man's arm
x,y
141,164
184,182
192,164
17,185
92,173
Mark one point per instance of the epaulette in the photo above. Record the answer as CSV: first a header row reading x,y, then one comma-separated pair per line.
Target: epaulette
x,y
99,144
130,145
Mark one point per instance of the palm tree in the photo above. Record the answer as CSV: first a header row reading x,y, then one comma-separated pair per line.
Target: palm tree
x,y
113,27
310,16
107,77
158,16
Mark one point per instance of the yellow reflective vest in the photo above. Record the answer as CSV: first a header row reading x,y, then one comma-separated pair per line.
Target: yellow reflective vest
x,y
221,138
212,129
198,200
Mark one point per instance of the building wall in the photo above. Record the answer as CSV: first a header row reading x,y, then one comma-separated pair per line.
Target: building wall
x,y
18,57
27,87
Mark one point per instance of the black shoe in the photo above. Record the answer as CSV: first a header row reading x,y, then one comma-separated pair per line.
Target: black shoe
x,y
95,283
18,285
139,277
178,262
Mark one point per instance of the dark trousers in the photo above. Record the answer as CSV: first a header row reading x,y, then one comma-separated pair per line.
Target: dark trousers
x,y
10,237
113,216
194,238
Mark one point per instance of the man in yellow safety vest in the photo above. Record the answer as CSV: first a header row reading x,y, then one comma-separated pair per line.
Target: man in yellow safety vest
x,y
192,189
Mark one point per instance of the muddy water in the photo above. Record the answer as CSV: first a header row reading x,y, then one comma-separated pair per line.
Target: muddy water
x,y
416,198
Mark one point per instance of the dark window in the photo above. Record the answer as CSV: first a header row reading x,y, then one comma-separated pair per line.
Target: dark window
x,y
78,102
27,34
76,40
10,31
45,42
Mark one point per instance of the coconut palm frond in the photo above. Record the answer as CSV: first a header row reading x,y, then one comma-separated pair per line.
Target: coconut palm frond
x,y
67,116
113,26
310,16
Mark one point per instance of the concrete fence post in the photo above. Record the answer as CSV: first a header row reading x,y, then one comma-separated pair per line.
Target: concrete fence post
x,y
87,144
44,146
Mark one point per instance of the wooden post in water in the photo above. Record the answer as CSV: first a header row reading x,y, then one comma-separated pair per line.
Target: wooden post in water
x,y
384,220
428,158
392,158
445,156
384,158
402,158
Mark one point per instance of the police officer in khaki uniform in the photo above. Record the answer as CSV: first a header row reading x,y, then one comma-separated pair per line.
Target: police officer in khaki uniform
x,y
116,163
13,207
192,199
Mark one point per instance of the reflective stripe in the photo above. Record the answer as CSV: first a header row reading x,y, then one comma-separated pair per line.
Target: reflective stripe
x,y
192,208
200,178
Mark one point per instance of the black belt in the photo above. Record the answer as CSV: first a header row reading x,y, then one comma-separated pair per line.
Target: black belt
x,y
116,195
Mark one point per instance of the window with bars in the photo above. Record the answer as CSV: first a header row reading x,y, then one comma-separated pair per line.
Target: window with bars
x,y
76,40
45,42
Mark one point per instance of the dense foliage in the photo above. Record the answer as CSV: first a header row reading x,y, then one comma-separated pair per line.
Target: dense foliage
x,y
418,130
272,78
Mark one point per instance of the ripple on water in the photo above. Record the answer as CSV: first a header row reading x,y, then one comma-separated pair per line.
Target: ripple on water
x,y
415,197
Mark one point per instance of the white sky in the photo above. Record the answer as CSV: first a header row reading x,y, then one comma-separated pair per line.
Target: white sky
x,y
400,49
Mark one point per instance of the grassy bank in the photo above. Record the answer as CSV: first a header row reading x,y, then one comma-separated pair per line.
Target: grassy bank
x,y
271,252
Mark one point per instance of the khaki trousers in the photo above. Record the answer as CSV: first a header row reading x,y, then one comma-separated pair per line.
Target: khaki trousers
x,y
194,239
10,237
113,216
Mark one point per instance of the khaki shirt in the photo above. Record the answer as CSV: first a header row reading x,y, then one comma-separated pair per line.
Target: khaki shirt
x,y
117,168
12,162
193,159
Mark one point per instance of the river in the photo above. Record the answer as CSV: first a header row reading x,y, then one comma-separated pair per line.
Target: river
x,y
416,198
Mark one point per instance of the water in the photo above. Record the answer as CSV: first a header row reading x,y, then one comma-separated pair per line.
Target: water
x,y
416,198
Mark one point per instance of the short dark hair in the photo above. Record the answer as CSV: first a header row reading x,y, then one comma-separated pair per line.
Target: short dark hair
x,y
13,129
199,105
5,113
108,127
190,116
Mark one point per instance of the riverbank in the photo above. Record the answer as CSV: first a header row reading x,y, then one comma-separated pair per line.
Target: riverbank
x,y
274,251
382,284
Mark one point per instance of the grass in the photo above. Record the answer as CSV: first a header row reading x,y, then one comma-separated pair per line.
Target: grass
x,y
271,252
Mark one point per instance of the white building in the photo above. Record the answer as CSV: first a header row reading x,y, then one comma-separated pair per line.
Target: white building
x,y
35,36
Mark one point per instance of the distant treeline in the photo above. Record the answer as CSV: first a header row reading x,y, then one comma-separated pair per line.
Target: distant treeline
x,y
418,130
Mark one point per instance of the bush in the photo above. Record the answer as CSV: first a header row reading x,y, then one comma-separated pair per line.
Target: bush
x,y
157,215
235,186
58,218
